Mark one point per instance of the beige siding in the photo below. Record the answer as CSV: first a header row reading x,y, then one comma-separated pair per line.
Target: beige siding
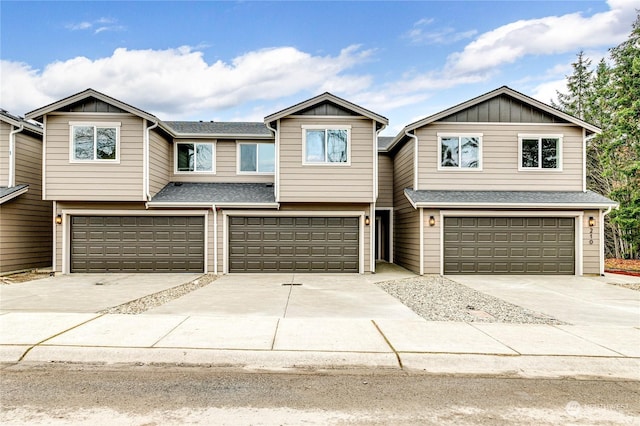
x,y
326,183
406,242
94,181
26,221
159,162
5,130
432,245
500,159
591,244
385,181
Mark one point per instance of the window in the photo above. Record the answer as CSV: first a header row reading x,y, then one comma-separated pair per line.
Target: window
x,y
195,157
256,158
540,152
324,145
95,141
459,151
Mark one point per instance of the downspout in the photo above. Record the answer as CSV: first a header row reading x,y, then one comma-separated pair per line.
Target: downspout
x,y
145,176
12,156
415,159
277,158
215,239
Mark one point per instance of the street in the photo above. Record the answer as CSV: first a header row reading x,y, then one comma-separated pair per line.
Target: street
x,y
173,395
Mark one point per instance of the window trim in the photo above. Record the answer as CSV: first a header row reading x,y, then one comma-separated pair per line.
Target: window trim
x,y
539,137
306,127
459,135
200,172
238,154
95,124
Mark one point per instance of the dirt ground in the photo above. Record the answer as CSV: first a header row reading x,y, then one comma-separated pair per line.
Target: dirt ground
x,y
23,277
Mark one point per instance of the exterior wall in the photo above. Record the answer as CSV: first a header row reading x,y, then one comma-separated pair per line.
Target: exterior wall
x,y
5,130
226,163
94,181
326,183
432,245
25,222
406,226
385,181
159,162
500,159
591,243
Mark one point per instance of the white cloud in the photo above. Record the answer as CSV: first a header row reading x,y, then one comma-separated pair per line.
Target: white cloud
x,y
419,33
100,25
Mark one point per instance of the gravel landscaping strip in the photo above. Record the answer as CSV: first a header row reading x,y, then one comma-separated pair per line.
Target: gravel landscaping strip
x,y
630,286
145,303
436,298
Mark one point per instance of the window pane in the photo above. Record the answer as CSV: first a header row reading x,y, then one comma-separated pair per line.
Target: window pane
x,y
449,146
315,146
266,158
185,157
337,146
549,153
106,143
470,153
204,157
83,142
530,153
248,160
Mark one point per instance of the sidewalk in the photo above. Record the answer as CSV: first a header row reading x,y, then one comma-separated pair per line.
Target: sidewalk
x,y
322,343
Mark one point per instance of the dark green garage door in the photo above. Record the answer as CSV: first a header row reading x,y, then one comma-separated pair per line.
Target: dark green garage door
x,y
293,244
137,244
509,245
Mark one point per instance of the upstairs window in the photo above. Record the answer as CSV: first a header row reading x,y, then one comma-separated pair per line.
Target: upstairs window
x,y
195,157
540,152
459,151
326,145
256,158
95,142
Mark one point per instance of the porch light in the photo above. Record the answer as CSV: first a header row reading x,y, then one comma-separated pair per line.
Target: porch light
x,y
58,219
592,221
432,221
367,221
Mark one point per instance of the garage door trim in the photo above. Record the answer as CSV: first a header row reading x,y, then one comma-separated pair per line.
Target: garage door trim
x,y
293,213
66,228
578,232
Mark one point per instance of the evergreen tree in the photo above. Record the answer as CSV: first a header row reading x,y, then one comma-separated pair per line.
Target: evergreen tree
x,y
580,91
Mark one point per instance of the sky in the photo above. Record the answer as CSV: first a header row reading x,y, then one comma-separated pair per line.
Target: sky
x,y
244,60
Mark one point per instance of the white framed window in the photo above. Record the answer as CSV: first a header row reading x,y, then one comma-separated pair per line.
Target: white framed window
x,y
539,152
256,158
460,151
326,145
94,142
194,157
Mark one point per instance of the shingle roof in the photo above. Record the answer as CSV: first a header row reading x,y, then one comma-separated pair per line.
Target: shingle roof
x,y
384,142
7,194
578,199
219,128
18,121
216,193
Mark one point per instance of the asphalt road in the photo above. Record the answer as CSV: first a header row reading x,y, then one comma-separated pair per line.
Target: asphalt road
x,y
144,395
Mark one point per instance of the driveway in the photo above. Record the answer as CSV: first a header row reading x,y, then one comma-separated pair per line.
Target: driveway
x,y
575,300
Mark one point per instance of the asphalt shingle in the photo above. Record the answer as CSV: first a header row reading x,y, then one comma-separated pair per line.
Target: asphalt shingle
x,y
179,192
219,128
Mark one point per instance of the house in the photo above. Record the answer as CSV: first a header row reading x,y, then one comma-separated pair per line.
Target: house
x,y
25,219
496,185
132,193
493,185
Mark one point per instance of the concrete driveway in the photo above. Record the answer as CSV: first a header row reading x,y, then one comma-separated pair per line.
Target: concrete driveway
x,y
576,300
84,292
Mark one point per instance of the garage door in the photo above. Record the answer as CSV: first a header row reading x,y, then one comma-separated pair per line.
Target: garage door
x,y
509,245
137,244
293,244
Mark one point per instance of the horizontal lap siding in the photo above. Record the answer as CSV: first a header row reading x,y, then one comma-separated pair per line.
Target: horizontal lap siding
x,y
385,181
432,242
591,243
326,183
406,248
500,159
94,181
159,162
5,130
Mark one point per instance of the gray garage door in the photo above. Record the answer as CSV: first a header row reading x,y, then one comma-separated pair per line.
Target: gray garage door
x,y
293,244
137,244
509,245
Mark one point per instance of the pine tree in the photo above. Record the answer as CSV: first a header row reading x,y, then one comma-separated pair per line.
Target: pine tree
x,y
580,91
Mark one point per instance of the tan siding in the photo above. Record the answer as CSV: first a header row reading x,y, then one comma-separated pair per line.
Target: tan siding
x,y
385,181
500,159
26,221
326,183
432,242
591,243
94,181
406,243
159,162
5,130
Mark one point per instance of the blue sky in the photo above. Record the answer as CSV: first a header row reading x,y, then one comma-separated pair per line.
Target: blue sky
x,y
230,61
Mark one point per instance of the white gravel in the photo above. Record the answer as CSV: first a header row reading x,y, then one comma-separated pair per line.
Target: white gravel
x,y
436,298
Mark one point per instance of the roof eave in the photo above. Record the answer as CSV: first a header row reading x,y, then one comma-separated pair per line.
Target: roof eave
x,y
13,195
27,126
211,205
219,136
537,206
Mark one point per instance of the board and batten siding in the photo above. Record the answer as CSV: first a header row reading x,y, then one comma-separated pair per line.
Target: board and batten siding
x,y
591,244
26,221
159,162
326,182
500,159
226,164
94,181
385,181
406,241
